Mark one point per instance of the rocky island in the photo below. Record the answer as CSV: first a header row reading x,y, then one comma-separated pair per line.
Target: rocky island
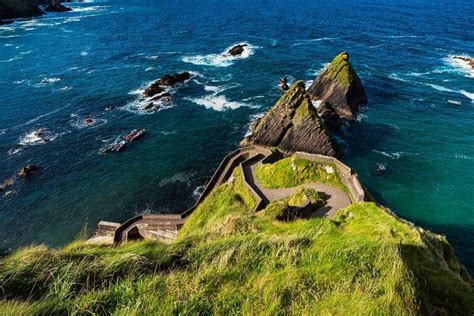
x,y
282,227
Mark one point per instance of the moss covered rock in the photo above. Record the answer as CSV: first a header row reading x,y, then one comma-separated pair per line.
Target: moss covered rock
x,y
339,86
292,124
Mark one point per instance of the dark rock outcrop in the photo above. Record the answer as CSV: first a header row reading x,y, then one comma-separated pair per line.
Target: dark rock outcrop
x,y
292,125
340,86
27,171
166,80
330,118
57,7
12,9
237,50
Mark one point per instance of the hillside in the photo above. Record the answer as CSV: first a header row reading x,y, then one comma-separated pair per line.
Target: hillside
x,y
229,260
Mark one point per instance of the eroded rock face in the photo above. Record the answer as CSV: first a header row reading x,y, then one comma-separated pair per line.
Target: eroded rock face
x,y
329,116
292,125
237,50
12,9
340,86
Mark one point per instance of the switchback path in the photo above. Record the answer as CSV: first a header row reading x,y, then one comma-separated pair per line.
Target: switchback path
x,y
336,198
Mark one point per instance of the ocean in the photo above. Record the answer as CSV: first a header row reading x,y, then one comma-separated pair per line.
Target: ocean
x,y
94,62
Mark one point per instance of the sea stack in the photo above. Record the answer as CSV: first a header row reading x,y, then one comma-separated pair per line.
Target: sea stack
x,y
340,87
292,124
56,6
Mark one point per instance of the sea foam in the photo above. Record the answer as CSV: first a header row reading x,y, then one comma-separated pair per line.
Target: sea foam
x,y
222,59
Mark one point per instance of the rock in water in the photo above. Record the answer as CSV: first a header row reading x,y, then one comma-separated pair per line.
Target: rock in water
x,y
12,9
57,7
292,125
166,80
28,170
171,80
237,50
468,60
340,86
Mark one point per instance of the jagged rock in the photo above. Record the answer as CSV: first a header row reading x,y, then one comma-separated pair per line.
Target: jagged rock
x,y
166,80
171,80
27,171
468,60
57,7
339,85
237,50
292,125
330,118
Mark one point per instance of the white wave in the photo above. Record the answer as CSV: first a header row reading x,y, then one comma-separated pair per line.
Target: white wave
x,y
253,118
47,81
467,94
8,45
84,53
11,59
65,88
397,77
222,59
440,88
312,40
15,151
149,68
88,9
218,102
460,65
464,157
211,88
394,156
86,122
37,137
179,177
70,20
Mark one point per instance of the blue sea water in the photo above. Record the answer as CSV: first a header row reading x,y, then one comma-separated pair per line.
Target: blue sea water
x,y
93,62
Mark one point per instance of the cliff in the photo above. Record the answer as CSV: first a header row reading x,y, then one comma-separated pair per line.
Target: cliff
x,y
340,87
292,124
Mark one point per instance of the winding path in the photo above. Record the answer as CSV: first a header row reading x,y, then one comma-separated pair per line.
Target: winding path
x,y
336,198
165,227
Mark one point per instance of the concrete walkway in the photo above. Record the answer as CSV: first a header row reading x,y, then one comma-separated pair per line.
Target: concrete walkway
x,y
336,198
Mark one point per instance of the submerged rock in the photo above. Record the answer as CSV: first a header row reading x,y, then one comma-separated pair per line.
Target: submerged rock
x,y
237,50
292,125
340,86
57,7
27,171
6,184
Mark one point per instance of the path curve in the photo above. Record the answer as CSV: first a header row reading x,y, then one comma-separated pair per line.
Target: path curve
x,y
336,198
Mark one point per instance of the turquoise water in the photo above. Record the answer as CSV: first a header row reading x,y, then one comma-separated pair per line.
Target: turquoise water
x,y
58,69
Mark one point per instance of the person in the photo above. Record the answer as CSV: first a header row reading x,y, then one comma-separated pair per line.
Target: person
x,y
283,84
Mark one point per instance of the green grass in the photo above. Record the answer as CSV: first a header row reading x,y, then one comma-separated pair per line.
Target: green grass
x,y
290,172
228,260
341,70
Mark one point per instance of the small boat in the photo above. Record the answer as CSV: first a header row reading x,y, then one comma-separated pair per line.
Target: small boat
x,y
134,135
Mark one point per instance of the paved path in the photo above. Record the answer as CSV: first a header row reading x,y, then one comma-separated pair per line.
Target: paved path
x,y
336,198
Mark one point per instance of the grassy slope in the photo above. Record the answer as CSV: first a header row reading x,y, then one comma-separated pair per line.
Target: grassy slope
x,y
228,260
291,172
